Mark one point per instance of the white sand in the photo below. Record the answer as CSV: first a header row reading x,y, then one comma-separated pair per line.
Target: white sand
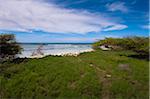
x,y
56,52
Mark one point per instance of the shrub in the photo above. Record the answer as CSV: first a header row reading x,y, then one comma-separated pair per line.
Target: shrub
x,y
8,47
136,44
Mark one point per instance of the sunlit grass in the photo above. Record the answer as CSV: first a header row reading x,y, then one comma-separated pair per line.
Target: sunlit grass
x,y
89,75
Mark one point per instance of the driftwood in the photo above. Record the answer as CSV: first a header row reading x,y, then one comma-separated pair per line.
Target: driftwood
x,y
38,51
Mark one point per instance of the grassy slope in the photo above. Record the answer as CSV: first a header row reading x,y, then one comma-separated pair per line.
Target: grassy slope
x,y
83,76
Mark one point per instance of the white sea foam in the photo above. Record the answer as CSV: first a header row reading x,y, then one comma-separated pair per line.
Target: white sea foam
x,y
54,49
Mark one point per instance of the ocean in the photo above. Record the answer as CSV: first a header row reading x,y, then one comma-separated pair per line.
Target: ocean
x,y
30,49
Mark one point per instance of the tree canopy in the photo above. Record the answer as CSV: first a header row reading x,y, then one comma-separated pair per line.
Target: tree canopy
x,y
8,47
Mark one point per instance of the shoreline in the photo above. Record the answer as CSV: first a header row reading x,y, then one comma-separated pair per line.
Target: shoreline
x,y
70,53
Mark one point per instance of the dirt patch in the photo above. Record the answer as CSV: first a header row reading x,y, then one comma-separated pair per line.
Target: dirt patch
x,y
72,85
124,67
104,80
82,75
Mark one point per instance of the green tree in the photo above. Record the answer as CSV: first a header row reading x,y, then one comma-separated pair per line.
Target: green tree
x,y
8,47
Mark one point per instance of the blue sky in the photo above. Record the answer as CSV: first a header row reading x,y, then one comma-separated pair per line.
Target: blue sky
x,y
73,20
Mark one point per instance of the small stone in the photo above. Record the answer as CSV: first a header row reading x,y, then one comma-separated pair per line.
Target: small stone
x,y
124,67
108,76
91,64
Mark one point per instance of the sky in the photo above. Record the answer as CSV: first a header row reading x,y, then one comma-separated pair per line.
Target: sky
x,y
73,21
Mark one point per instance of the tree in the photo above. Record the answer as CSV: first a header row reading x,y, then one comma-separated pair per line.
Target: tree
x,y
8,47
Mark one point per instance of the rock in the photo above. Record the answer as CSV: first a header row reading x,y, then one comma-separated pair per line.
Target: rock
x,y
104,48
108,76
91,64
70,54
124,67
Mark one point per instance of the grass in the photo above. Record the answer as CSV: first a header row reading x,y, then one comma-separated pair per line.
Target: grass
x,y
90,75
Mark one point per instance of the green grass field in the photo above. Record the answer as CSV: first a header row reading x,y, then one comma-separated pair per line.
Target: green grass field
x,y
96,75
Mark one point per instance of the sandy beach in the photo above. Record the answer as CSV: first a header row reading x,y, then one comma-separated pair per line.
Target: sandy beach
x,y
69,53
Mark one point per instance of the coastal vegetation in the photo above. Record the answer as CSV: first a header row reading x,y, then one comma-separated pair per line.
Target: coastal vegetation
x,y
8,47
139,45
99,74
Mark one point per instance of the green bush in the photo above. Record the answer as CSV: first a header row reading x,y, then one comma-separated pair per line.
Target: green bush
x,y
8,47
136,44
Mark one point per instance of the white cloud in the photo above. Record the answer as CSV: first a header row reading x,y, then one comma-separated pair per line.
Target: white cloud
x,y
116,27
117,6
27,15
145,26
